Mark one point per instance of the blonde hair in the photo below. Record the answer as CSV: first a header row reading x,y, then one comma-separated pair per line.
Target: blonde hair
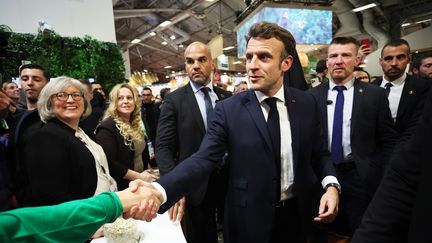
x,y
134,131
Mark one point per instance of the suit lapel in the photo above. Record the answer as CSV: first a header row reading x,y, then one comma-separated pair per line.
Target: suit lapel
x,y
322,102
294,112
254,109
193,104
359,90
405,99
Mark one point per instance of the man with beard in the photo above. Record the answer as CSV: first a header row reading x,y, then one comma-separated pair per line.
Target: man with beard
x,y
422,66
406,93
33,78
182,125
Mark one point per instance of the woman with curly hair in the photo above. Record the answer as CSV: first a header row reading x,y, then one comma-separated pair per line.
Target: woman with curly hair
x,y
122,135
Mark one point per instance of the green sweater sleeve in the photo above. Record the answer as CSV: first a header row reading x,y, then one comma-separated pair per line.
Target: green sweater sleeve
x,y
73,221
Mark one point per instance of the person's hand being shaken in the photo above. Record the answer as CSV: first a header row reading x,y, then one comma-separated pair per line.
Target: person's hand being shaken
x,y
329,206
148,175
140,201
176,212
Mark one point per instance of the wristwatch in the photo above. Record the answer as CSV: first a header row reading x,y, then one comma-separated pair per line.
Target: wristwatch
x,y
335,185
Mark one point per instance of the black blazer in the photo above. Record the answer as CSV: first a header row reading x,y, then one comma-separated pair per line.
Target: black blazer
x,y
238,126
411,104
372,129
120,156
60,168
180,132
402,207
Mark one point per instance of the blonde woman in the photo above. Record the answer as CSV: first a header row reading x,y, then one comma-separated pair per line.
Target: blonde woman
x,y
122,136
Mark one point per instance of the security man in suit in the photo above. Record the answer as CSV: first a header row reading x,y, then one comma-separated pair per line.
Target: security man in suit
x,y
406,93
360,130
182,125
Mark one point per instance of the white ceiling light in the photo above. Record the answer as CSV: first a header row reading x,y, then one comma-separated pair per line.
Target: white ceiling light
x,y
406,24
209,0
237,62
167,76
165,23
228,48
181,45
164,43
367,6
167,67
136,41
152,33
172,37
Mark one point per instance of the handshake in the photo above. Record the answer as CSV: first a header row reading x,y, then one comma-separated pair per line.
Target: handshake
x,y
140,201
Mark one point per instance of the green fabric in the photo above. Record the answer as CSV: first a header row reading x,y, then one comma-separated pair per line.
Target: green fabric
x,y
73,221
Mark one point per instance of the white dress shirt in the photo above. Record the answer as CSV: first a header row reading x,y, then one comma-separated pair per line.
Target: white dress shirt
x,y
347,112
395,93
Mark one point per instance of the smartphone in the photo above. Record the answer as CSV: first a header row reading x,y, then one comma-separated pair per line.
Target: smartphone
x,y
365,42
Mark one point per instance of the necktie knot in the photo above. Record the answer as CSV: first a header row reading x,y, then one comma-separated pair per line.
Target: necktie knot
x,y
271,102
387,88
339,88
205,90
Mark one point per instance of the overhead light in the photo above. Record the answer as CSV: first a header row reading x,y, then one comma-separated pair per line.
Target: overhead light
x,y
165,23
181,45
164,43
406,24
367,6
423,21
172,71
152,33
228,48
167,76
136,41
209,0
172,37
237,62
168,67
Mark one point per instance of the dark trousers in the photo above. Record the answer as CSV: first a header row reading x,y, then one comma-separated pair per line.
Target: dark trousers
x,y
354,201
199,222
287,226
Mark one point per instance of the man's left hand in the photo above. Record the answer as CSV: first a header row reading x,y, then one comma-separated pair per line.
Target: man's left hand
x,y
329,206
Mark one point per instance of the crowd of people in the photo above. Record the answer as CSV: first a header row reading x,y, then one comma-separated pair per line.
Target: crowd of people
x,y
266,163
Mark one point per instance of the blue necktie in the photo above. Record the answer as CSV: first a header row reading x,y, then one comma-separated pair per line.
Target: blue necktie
x,y
208,103
274,130
336,145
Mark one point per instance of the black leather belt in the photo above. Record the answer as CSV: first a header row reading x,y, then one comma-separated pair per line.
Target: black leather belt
x,y
345,166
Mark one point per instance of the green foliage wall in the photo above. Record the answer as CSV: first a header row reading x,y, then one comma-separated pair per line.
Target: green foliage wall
x,y
70,56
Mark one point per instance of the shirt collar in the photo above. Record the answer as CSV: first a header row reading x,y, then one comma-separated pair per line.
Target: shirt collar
x,y
347,85
397,82
280,95
196,87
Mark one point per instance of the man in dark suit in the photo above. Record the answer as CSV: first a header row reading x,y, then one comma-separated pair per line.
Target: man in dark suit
x,y
182,125
361,140
406,93
402,207
277,154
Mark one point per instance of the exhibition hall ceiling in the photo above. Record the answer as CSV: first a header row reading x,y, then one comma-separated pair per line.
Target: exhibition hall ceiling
x,y
159,48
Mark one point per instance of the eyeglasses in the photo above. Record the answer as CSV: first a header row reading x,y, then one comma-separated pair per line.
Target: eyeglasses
x,y
63,96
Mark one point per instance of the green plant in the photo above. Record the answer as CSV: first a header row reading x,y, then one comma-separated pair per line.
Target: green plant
x,y
71,56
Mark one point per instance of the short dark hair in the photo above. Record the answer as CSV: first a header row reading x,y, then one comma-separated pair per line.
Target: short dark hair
x,y
343,40
419,59
321,66
395,43
268,30
45,73
359,69
147,88
164,92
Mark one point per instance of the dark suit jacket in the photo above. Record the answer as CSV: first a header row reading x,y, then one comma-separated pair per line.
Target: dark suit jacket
x,y
402,207
372,129
60,168
120,156
238,126
180,132
411,104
